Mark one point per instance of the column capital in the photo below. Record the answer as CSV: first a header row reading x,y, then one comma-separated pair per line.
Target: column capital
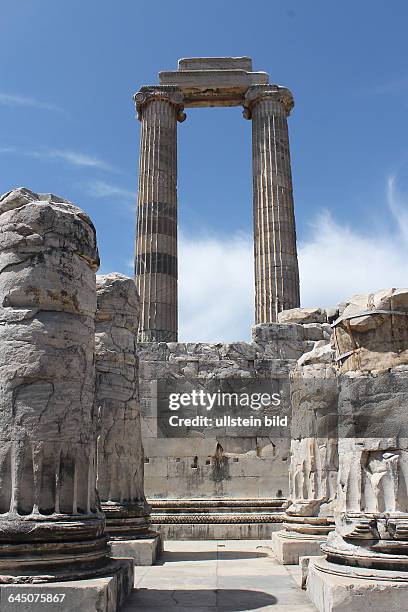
x,y
167,93
256,93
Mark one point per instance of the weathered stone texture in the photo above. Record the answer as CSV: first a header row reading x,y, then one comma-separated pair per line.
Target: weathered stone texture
x,y
313,456
302,315
369,548
215,63
230,466
48,506
372,332
120,452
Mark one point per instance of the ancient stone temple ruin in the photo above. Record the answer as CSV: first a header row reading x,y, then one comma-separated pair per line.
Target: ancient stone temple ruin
x,y
214,486
86,360
204,82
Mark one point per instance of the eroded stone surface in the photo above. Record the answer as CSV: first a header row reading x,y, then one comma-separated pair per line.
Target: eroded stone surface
x,y
302,315
372,332
313,456
48,259
238,467
120,452
367,554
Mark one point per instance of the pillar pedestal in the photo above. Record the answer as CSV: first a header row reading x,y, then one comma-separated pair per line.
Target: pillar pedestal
x,y
336,588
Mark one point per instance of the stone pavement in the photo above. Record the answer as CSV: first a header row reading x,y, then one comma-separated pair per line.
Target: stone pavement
x,y
220,576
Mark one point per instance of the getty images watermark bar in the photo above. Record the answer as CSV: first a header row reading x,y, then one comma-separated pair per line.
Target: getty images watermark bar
x,y
233,407
263,408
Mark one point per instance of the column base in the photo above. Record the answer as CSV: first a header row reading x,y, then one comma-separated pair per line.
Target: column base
x,y
104,594
143,551
336,588
289,546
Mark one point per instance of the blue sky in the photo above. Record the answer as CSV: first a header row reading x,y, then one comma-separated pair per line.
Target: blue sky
x,y
68,71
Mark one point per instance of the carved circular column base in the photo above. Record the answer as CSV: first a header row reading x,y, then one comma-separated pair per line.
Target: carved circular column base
x,y
55,561
33,528
127,521
308,526
378,575
388,555
39,548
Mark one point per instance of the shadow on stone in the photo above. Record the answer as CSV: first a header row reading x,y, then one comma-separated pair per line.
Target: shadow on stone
x,y
208,555
225,600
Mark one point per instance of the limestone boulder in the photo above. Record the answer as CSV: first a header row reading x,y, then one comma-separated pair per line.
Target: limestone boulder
x,y
302,315
372,331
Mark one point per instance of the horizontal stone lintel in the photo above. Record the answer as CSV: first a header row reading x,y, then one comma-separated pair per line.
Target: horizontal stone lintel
x,y
215,63
213,87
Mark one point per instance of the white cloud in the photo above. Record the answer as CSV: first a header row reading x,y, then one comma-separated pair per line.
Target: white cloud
x,y
215,288
336,261
101,189
15,100
74,158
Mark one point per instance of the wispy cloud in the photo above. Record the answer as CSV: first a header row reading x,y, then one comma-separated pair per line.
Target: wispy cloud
x,y
73,158
101,189
336,261
16,100
7,149
390,87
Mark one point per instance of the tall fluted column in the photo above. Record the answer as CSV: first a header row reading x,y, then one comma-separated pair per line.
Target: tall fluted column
x,y
276,264
159,109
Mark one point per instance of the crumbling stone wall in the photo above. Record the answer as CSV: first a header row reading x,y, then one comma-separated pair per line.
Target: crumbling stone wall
x,y
237,467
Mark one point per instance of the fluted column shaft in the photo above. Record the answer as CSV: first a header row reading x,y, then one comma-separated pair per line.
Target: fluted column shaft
x,y
276,264
159,109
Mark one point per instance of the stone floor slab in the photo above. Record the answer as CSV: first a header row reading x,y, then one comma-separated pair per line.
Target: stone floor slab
x,y
217,576
144,551
104,594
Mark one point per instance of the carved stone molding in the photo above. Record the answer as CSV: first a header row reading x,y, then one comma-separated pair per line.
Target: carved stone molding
x,y
194,519
256,93
169,94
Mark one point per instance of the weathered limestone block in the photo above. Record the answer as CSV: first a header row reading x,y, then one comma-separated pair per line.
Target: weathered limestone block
x,y
372,331
51,525
302,315
368,551
314,458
